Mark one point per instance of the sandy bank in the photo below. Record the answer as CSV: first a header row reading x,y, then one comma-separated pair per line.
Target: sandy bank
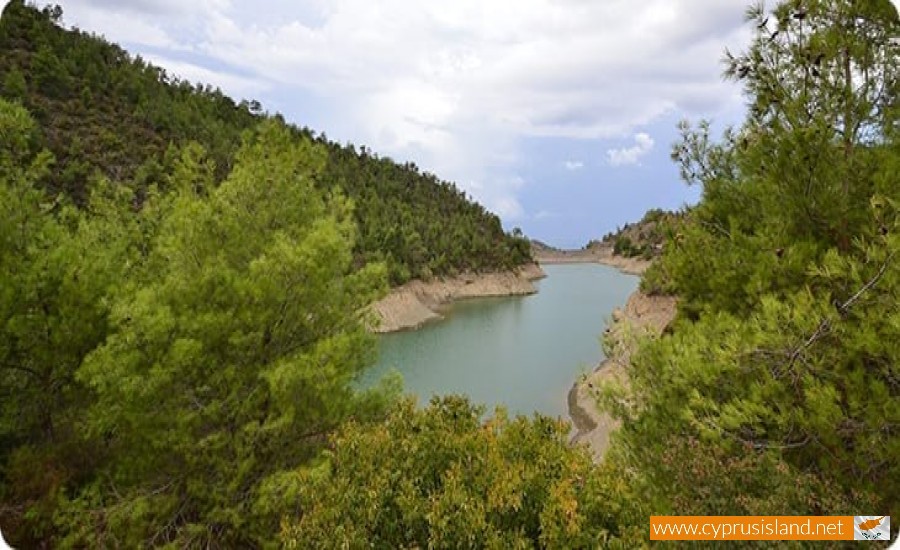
x,y
417,302
599,255
643,315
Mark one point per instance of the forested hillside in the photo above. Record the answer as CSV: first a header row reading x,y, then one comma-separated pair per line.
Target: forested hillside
x,y
103,111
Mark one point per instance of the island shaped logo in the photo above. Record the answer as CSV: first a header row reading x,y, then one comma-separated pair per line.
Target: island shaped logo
x,y
872,528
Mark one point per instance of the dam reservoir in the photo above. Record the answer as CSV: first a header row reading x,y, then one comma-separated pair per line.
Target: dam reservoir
x,y
523,352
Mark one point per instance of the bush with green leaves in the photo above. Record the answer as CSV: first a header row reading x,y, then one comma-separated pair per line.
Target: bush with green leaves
x,y
444,477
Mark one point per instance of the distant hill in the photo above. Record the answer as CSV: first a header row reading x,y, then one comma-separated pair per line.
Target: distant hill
x,y
539,247
644,238
104,112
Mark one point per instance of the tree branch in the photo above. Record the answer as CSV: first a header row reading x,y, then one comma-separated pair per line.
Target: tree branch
x,y
825,324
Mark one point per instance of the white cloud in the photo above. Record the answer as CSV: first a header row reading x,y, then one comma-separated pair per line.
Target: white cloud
x,y
507,207
121,27
454,86
572,165
242,87
416,73
643,144
498,196
153,7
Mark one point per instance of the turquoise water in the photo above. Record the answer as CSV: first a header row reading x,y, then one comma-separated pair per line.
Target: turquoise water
x,y
522,352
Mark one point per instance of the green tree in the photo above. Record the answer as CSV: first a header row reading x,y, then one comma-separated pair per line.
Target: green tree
x,y
230,355
788,275
56,265
14,85
442,477
50,73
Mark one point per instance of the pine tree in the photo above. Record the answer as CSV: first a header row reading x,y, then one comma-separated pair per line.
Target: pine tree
x,y
230,355
789,276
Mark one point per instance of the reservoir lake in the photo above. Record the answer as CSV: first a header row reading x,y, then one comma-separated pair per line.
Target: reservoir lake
x,y
524,352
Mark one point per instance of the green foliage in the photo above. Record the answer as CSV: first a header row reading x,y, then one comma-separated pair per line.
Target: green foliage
x,y
623,246
800,376
158,366
14,85
103,111
692,477
181,281
654,215
56,267
181,290
441,477
644,239
235,357
778,389
656,280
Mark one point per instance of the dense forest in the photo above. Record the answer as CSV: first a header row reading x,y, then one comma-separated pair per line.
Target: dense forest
x,y
105,113
182,325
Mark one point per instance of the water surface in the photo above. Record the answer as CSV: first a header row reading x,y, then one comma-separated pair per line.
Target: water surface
x,y
522,352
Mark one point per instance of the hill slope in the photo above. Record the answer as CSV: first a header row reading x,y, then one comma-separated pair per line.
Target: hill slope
x,y
644,238
103,111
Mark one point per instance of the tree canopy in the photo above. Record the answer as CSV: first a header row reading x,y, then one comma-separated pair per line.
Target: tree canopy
x,y
101,110
788,274
442,477
159,366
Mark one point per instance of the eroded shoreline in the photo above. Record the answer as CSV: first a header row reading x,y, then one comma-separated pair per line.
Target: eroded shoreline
x,y
643,315
415,303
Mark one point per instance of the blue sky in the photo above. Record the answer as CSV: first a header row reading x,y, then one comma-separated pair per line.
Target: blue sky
x,y
557,115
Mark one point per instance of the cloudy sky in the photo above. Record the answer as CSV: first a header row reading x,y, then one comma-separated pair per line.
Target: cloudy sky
x,y
557,115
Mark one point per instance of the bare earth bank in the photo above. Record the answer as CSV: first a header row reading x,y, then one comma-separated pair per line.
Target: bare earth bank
x,y
643,314
598,254
417,302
